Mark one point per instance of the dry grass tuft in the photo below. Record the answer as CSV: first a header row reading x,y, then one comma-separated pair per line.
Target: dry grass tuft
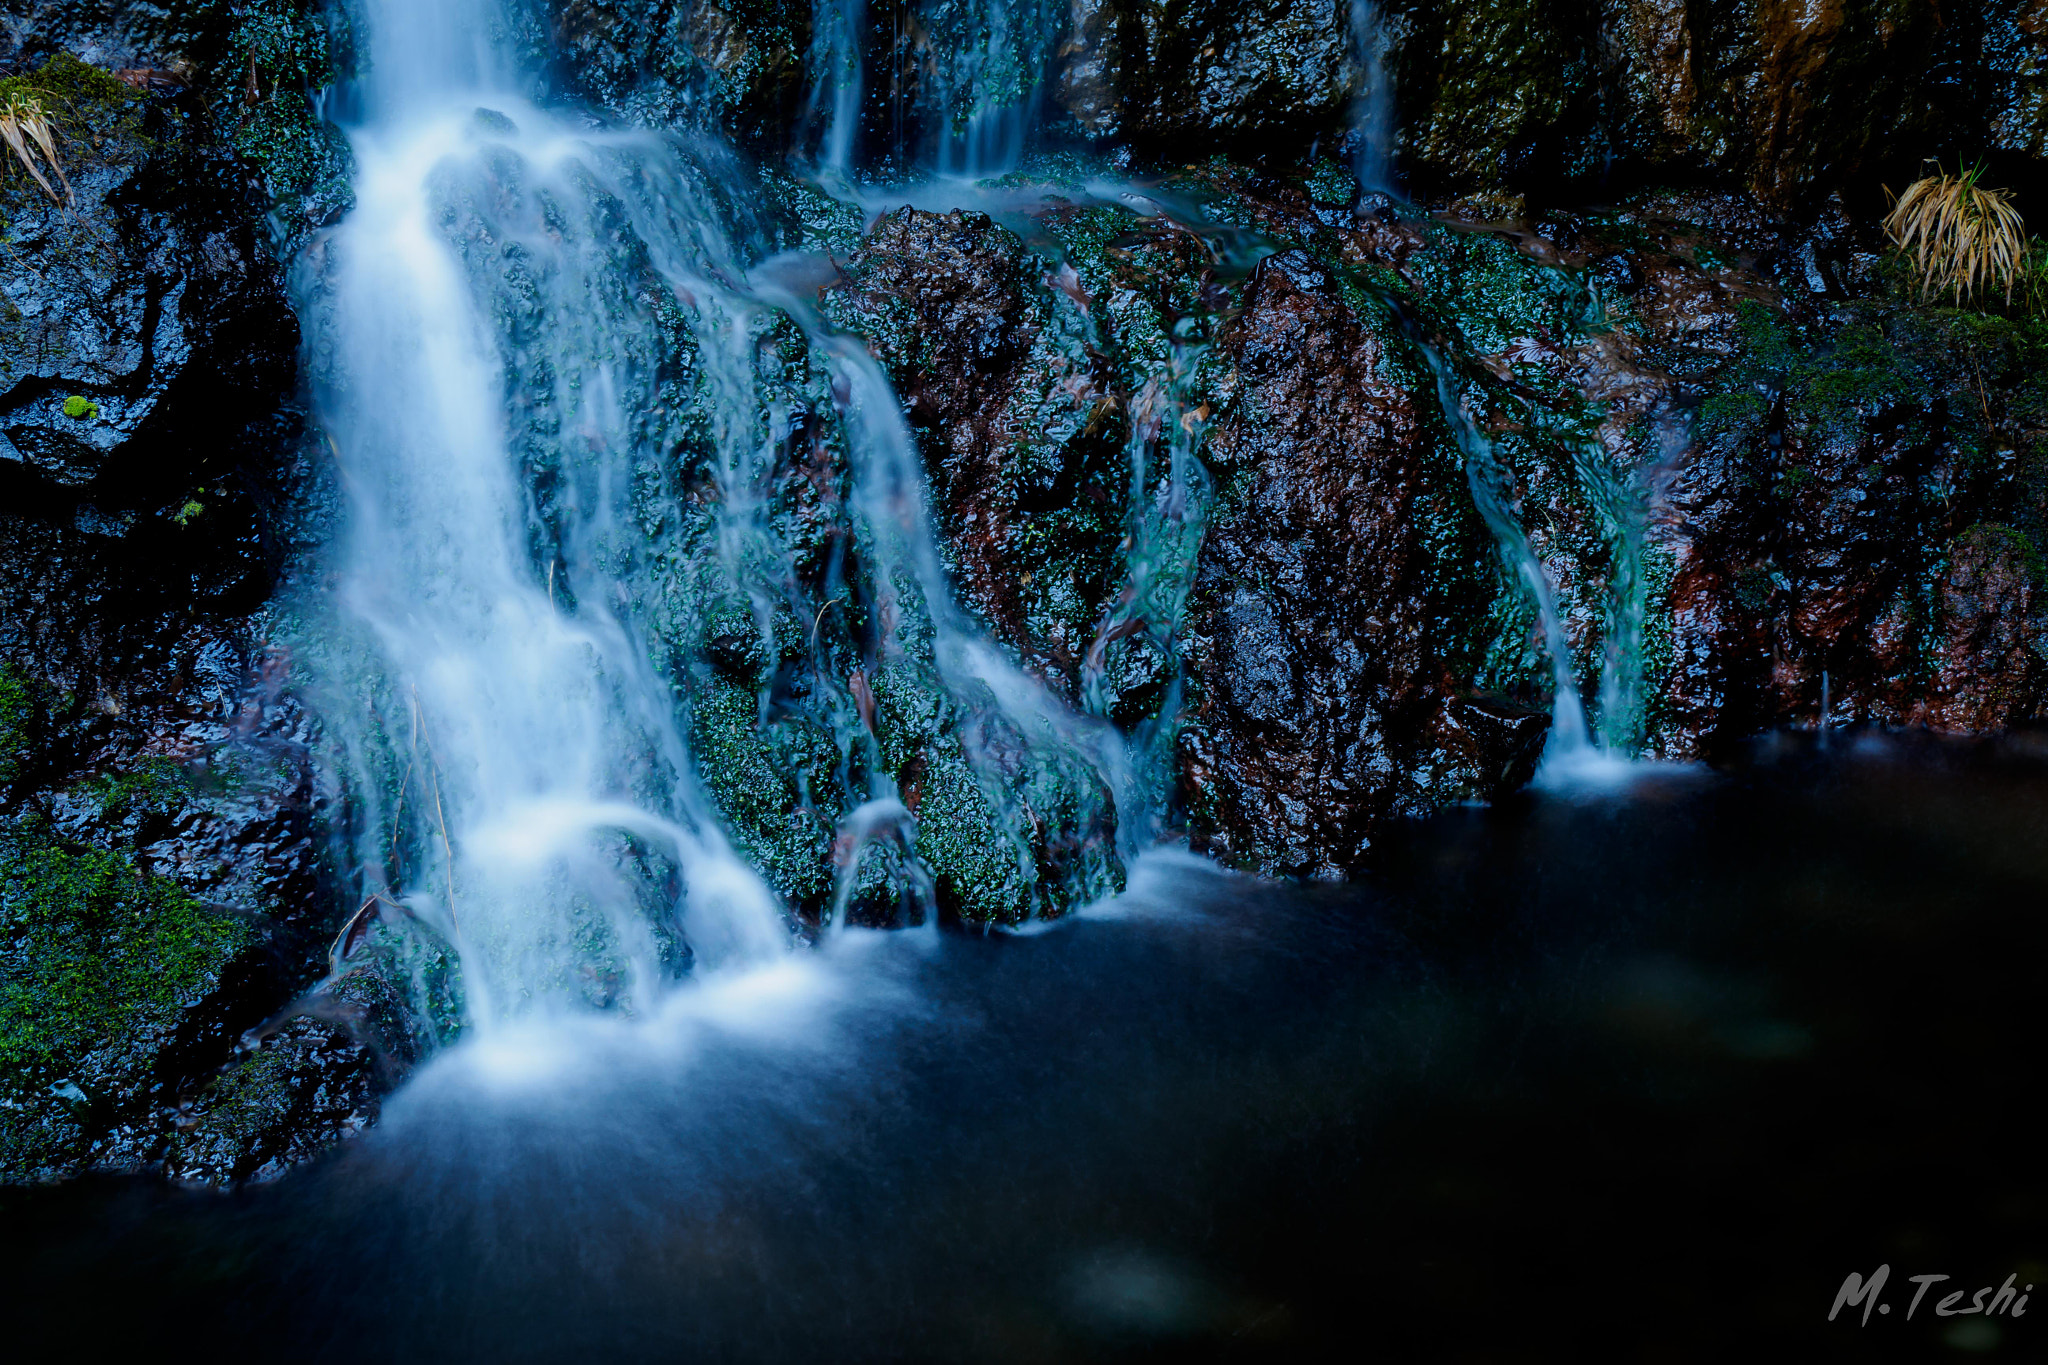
x,y
1964,239
26,130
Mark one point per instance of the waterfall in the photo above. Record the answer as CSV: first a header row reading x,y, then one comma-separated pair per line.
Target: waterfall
x,y
1372,110
1491,493
987,63
1168,517
837,82
533,802
1620,503
964,83
563,382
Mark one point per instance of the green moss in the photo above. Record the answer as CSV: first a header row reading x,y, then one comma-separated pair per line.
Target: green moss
x,y
980,869
101,960
156,786
65,86
762,777
1995,542
19,711
829,225
81,409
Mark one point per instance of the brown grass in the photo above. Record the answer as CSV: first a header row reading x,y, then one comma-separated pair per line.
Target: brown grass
x,y
26,130
1964,240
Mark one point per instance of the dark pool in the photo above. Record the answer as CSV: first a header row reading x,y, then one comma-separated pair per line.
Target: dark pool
x,y
1606,1077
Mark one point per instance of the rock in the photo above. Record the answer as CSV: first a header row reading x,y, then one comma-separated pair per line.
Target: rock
x,y
1788,102
992,364
138,315
295,1093
158,814
737,66
1332,677
252,67
1214,75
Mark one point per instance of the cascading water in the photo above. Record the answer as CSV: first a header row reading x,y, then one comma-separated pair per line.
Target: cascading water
x,y
531,337
1169,514
964,81
1372,110
531,797
1491,493
838,80
987,61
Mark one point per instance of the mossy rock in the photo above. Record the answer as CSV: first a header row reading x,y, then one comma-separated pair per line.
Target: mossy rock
x,y
103,959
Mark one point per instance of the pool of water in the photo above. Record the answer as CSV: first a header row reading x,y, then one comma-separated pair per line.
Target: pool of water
x,y
1637,1074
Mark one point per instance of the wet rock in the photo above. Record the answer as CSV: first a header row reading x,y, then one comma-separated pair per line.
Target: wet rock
x,y
165,896
737,65
1784,101
295,1093
251,68
134,317
2016,54
1833,471
1217,74
158,814
992,363
1332,677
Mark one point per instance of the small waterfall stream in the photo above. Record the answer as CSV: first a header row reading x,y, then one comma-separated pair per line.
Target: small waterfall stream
x,y
522,334
1372,110
1492,493
963,79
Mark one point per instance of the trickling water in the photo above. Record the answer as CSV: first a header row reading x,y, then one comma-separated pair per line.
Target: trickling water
x,y
1169,515
1491,492
1620,502
1372,111
964,84
837,81
987,61
1071,753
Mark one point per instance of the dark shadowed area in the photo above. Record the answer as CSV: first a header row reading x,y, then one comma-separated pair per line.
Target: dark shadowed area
x,y
1640,1075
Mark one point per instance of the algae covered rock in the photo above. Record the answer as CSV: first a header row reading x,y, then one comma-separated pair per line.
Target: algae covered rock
x,y
164,894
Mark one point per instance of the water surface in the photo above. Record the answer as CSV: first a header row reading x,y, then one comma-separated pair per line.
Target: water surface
x,y
1638,1075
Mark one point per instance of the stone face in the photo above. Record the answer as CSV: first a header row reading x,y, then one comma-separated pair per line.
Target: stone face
x,y
158,815
1320,657
1212,72
2016,54
1788,100
1804,499
992,362
736,66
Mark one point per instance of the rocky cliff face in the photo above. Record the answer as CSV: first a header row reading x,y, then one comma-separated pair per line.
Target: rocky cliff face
x,y
1836,490
159,862
1201,448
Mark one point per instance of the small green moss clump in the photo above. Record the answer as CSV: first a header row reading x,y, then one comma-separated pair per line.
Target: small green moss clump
x,y
66,86
80,408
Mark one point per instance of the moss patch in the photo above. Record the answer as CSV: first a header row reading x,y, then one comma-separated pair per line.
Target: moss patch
x,y
101,958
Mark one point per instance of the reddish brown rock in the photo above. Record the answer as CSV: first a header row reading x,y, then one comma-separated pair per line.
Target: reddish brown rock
x,y
1325,651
